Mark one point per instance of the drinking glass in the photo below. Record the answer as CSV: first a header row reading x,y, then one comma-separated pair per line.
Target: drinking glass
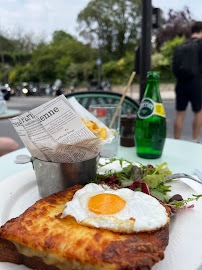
x,y
105,113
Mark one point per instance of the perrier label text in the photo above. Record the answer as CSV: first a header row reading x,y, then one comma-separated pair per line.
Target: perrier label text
x,y
148,108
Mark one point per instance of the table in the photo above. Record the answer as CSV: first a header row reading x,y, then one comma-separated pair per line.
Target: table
x,y
181,156
9,114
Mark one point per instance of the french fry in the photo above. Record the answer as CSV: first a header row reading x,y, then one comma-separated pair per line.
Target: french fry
x,y
100,133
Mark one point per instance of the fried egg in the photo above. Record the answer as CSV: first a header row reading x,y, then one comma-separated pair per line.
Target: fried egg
x,y
121,210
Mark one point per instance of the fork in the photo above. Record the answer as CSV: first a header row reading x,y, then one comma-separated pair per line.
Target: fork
x,y
181,175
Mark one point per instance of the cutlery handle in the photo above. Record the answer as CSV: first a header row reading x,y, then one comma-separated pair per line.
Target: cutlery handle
x,y
181,175
198,173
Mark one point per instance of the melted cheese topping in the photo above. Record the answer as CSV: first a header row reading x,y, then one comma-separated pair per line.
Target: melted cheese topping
x,y
52,259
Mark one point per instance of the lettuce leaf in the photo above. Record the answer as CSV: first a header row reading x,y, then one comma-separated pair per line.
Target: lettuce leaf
x,y
163,169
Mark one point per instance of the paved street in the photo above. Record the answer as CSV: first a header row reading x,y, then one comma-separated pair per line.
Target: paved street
x,y
27,103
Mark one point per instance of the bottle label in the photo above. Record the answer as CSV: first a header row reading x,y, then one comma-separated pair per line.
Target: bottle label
x,y
148,108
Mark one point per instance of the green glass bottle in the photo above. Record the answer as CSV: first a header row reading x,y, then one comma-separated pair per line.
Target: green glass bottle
x,y
150,127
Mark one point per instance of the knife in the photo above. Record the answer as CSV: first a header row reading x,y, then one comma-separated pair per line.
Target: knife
x,y
198,173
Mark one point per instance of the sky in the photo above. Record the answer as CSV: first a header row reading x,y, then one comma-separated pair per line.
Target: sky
x,y
40,18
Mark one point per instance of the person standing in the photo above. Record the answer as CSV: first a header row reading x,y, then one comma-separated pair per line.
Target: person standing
x,y
189,81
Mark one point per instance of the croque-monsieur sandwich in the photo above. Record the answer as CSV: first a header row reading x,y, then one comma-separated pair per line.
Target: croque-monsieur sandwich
x,y
91,227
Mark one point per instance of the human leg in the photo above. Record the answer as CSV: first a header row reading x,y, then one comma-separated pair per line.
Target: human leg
x,y
181,103
197,121
196,98
7,145
178,124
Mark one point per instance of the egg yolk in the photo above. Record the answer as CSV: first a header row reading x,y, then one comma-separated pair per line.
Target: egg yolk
x,y
106,204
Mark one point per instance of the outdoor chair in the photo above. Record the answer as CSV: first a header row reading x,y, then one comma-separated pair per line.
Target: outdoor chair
x,y
87,98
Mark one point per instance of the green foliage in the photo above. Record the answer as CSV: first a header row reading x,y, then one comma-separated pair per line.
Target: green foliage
x,y
77,73
64,58
168,48
112,25
14,58
60,35
115,23
6,44
119,71
45,66
23,73
162,61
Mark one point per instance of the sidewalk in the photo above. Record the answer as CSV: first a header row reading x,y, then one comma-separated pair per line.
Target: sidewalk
x,y
167,91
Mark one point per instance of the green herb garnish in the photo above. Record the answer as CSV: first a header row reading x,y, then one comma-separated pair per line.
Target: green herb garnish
x,y
179,204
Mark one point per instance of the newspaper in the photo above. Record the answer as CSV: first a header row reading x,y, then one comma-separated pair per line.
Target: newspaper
x,y
55,132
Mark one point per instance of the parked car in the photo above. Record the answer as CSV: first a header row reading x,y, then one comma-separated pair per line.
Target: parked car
x,y
6,92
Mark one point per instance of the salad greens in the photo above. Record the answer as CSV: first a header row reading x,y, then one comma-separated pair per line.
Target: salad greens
x,y
154,177
148,179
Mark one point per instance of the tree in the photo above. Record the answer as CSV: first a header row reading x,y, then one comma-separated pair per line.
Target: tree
x,y
60,35
58,59
113,23
177,24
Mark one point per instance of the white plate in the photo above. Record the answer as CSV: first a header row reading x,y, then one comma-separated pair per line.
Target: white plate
x,y
184,251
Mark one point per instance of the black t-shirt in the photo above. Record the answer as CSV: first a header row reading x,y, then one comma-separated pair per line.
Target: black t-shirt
x,y
199,42
200,54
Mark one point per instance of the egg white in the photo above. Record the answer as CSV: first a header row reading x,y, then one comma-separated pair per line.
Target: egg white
x,y
146,212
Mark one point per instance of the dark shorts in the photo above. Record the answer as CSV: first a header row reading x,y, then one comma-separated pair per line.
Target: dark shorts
x,y
189,91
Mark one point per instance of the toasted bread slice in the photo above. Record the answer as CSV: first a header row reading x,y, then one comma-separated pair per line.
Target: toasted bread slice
x,y
40,239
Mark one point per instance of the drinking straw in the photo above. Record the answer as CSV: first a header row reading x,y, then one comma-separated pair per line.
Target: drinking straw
x,y
122,99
